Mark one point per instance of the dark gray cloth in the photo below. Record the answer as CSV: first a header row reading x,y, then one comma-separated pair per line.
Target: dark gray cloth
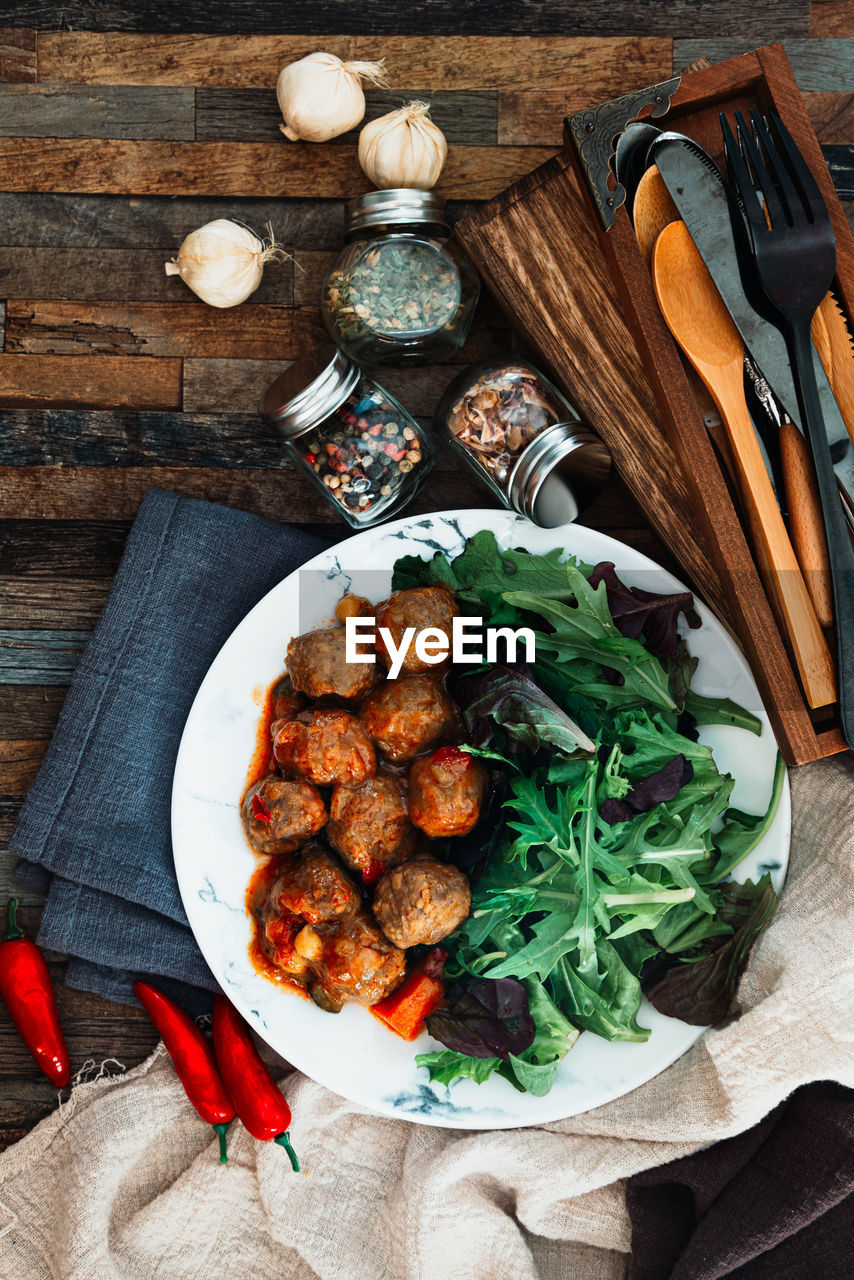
x,y
95,827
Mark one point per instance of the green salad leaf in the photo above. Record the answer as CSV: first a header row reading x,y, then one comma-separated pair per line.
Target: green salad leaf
x,y
608,868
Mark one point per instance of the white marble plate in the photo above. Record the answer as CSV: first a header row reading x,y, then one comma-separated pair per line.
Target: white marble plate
x,y
351,1053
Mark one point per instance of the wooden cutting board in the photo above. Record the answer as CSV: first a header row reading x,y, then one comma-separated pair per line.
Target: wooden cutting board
x,y
538,250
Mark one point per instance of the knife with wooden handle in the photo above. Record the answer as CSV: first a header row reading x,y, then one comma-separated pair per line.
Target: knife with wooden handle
x,y
839,365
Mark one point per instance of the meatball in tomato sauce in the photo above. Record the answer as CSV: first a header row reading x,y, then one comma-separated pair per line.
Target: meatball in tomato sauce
x,y
280,815
418,607
318,666
421,902
326,746
285,701
406,716
446,791
358,963
369,825
316,887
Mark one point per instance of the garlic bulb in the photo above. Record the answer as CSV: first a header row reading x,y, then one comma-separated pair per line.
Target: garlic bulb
x,y
223,261
403,149
320,96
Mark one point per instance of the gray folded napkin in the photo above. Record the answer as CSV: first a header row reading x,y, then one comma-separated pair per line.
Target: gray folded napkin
x,y
94,832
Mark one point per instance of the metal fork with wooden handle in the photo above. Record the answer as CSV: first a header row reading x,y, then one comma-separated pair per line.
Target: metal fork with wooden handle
x,y
701,324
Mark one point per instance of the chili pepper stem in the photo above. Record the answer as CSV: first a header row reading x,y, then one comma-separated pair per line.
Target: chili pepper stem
x,y
221,1130
13,929
284,1140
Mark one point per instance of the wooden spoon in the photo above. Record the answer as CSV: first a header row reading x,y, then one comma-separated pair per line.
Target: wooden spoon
x,y
701,324
652,211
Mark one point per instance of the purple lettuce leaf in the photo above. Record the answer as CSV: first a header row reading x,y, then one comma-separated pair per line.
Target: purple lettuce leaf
x,y
485,1018
645,613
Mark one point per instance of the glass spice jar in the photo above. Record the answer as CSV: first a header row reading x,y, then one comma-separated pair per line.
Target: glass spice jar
x,y
360,447
401,291
523,439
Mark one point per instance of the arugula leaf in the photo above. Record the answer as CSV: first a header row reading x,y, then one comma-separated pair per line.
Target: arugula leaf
x,y
610,1011
446,1065
482,568
586,630
721,711
742,832
700,992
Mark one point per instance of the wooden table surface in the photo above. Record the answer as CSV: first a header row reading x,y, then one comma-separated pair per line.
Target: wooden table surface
x,y
114,144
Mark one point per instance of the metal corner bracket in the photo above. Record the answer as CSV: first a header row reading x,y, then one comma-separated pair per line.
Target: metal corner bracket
x,y
595,133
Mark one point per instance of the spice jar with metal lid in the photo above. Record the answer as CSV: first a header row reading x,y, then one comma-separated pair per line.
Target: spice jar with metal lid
x,y
522,438
361,448
401,291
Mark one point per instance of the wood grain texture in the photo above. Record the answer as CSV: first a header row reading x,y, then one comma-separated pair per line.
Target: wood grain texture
x,y
28,713
89,111
40,657
232,168
533,118
832,18
440,61
193,329
17,56
19,763
118,381
58,549
62,604
821,66
252,115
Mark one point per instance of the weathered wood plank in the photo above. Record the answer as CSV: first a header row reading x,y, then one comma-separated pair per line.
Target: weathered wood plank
x,y
55,549
193,329
29,712
64,604
157,222
17,56
533,118
40,657
820,66
69,493
442,61
162,329
19,763
233,168
840,162
95,111
131,275
11,887
832,18
141,382
252,115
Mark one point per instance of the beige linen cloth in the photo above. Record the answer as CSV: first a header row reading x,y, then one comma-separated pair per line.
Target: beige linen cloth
x,y
123,1180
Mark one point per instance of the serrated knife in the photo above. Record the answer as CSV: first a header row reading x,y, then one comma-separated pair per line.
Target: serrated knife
x,y
700,193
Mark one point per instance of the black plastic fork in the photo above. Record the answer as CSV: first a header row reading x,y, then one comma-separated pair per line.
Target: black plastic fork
x,y
795,253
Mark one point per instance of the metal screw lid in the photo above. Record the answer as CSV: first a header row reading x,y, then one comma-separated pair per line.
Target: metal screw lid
x,y
558,474
398,204
308,391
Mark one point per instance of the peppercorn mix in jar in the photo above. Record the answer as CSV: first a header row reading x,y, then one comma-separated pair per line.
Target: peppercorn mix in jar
x,y
358,445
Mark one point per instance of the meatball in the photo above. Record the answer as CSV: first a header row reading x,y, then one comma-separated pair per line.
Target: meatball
x,y
358,963
369,825
407,716
285,702
279,816
419,607
446,791
421,902
318,666
326,746
315,888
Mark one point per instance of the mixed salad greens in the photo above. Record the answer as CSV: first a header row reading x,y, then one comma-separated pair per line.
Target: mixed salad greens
x,y
600,869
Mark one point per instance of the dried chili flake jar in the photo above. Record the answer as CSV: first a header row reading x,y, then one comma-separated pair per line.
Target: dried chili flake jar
x,y
523,439
360,447
401,291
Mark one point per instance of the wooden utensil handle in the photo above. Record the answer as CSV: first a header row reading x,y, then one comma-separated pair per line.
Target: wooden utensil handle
x,y
780,570
805,519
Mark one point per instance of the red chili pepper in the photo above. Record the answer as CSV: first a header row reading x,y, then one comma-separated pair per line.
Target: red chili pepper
x,y
261,809
452,756
259,1103
27,993
311,457
372,871
194,1060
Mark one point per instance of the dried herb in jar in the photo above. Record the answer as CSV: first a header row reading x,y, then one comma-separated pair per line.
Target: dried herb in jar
x,y
499,414
398,288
